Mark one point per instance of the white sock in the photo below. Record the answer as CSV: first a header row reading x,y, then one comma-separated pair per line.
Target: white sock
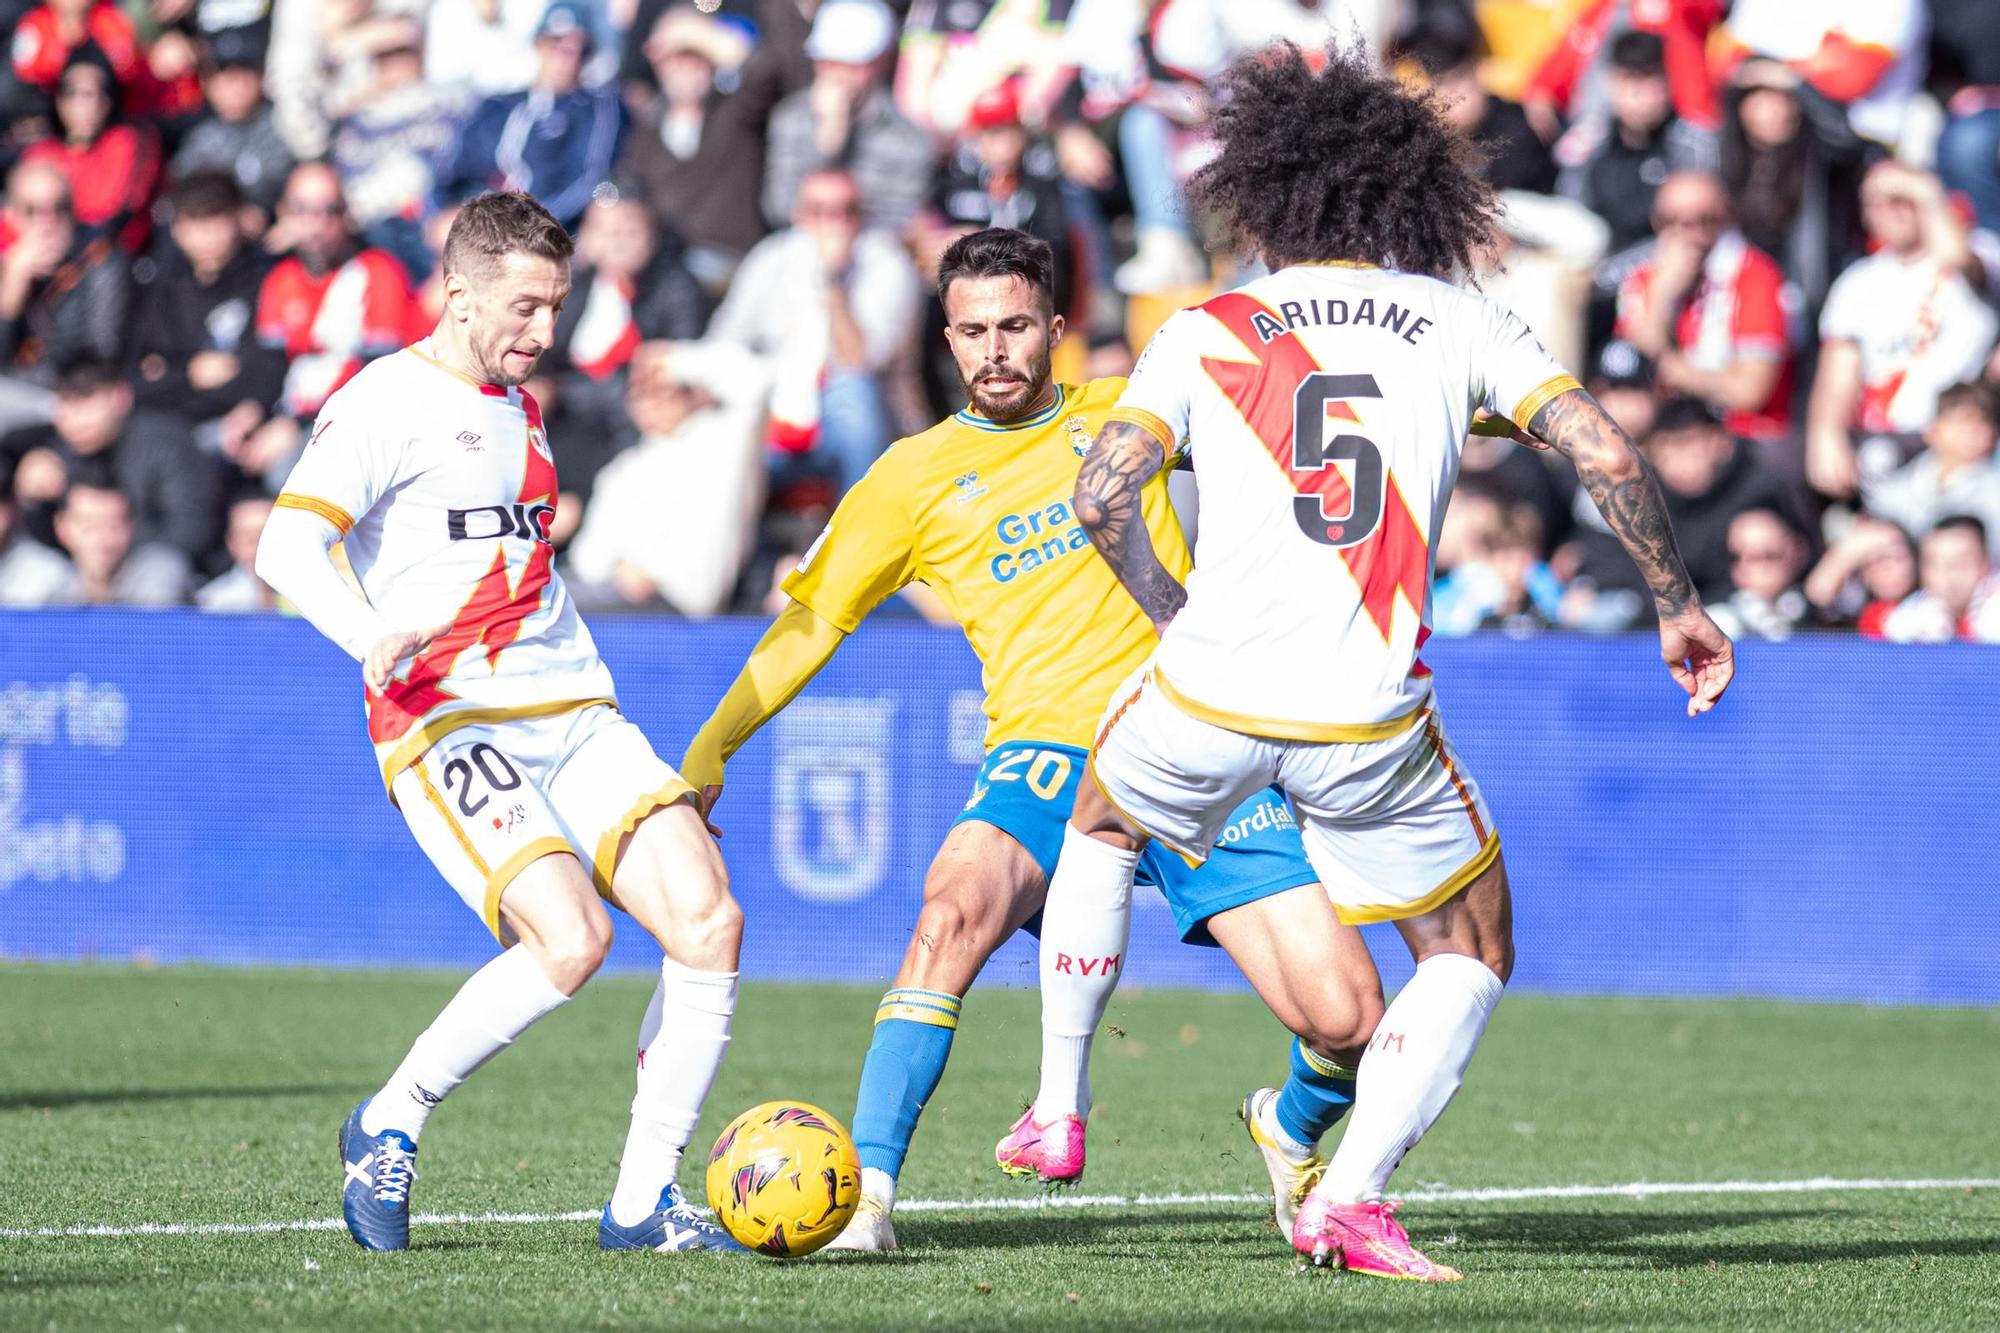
x,y
1410,1071
1291,1148
681,1043
496,1004
878,1185
1085,926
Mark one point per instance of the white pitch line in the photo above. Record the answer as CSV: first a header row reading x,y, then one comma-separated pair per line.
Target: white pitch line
x,y
1643,1189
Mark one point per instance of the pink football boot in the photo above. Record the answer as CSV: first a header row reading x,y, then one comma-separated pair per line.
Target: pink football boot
x,y
1053,1153
1363,1238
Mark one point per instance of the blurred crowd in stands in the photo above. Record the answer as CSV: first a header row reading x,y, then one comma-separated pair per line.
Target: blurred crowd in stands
x,y
1766,234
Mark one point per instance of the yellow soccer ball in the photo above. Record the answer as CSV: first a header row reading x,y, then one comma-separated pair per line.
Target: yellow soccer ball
x,y
784,1178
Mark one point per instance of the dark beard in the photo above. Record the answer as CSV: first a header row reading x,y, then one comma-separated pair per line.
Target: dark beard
x,y
1036,375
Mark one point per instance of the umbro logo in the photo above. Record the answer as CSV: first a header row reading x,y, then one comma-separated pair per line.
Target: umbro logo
x,y
470,439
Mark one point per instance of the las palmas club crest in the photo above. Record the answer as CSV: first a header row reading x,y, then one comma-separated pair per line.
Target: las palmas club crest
x,y
830,795
1079,435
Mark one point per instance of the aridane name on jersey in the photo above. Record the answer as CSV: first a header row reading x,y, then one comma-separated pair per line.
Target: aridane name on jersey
x,y
444,490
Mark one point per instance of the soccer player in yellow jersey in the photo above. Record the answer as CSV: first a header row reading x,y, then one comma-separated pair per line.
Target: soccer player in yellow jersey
x,y
978,508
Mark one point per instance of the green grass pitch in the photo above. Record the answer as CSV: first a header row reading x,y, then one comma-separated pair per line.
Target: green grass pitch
x,y
196,1096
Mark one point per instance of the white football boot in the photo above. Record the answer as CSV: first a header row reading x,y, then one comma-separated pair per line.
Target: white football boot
x,y
868,1231
1291,1178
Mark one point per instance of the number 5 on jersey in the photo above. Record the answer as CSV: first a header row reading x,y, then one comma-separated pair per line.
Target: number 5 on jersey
x,y
1315,458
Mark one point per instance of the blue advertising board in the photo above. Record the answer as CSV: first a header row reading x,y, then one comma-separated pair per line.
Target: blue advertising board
x,y
175,787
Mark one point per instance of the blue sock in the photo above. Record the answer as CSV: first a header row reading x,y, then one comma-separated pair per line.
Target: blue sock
x,y
913,1031
1316,1095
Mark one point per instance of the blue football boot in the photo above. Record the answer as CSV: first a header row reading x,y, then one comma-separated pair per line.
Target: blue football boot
x,y
674,1225
375,1199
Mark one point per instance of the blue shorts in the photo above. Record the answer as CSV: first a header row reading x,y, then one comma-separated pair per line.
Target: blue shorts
x,y
1026,789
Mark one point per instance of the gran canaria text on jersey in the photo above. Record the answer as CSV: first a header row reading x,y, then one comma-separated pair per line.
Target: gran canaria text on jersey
x,y
1049,533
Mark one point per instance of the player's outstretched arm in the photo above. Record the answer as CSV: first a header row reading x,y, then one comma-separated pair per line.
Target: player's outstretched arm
x,y
1121,461
1623,487
790,654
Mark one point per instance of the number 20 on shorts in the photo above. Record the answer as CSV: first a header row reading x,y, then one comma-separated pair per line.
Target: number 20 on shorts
x,y
1045,771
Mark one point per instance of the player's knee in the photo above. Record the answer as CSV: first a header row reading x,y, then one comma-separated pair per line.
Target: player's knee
x,y
954,921
713,930
1499,956
572,950
1340,1022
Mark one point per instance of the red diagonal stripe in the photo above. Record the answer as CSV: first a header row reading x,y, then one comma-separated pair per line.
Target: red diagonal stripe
x,y
1396,559
1263,390
491,618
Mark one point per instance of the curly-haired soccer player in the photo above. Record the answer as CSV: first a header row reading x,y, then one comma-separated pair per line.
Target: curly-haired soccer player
x,y
1323,407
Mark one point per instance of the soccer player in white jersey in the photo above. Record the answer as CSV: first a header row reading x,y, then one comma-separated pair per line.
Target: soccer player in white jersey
x,y
497,729
1323,407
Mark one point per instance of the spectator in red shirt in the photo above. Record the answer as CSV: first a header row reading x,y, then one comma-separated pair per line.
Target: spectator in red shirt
x,y
1570,83
329,305
1711,310
112,166
52,33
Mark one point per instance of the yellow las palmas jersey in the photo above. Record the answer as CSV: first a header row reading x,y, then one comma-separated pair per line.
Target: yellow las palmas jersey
x,y
980,512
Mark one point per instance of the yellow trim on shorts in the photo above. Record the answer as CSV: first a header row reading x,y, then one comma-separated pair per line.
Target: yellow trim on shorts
x,y
451,821
605,864
1182,853
1436,739
1438,897
428,732
1541,396
1283,729
499,878
1148,422
1119,712
311,504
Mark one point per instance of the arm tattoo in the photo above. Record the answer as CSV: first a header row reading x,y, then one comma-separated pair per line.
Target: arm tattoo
x,y
1623,486
1121,462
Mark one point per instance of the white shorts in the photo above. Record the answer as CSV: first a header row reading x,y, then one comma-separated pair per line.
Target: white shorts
x,y
488,799
1393,827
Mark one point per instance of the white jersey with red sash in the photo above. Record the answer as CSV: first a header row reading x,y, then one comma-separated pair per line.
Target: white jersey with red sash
x,y
1324,408
444,490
